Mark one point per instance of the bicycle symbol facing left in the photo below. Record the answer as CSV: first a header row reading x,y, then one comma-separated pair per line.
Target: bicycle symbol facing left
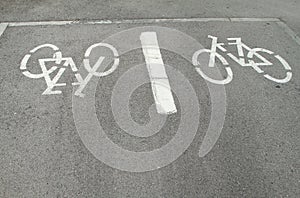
x,y
92,70
86,121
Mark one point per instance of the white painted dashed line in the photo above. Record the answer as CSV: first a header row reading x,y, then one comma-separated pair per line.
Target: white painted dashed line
x,y
159,80
289,31
41,23
254,19
172,20
3,26
139,21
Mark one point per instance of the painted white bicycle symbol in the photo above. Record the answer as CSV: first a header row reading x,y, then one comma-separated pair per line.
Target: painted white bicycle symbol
x,y
252,52
214,55
87,124
66,62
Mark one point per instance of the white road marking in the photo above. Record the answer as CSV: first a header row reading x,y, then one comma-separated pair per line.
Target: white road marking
x,y
57,56
84,82
139,21
51,83
68,61
40,23
213,55
254,19
3,27
240,60
280,23
289,31
286,67
86,60
159,80
92,71
160,84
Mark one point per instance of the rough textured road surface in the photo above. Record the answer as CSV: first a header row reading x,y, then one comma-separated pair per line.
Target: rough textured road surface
x,y
44,154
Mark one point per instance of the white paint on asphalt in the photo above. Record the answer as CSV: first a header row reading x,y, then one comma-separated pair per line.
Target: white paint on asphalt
x,y
86,60
51,83
212,60
254,19
139,21
41,23
160,84
240,59
286,67
3,26
67,62
159,80
92,71
280,23
57,55
289,31
251,52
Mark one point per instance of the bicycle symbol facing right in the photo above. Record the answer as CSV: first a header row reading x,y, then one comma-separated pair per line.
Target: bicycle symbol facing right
x,y
89,128
254,52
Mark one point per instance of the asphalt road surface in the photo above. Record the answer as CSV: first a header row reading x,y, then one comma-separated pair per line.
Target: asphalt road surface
x,y
145,111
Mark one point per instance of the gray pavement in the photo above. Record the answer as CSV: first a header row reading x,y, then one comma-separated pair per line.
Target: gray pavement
x,y
43,155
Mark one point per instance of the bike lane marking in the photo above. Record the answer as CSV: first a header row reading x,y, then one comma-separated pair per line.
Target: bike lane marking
x,y
96,64
238,130
137,21
159,80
